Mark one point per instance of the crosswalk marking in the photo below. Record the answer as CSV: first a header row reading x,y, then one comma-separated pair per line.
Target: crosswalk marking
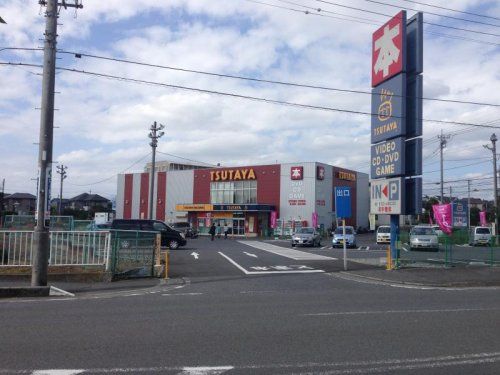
x,y
288,253
205,370
57,372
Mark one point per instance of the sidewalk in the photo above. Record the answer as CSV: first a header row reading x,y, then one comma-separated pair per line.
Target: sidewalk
x,y
472,276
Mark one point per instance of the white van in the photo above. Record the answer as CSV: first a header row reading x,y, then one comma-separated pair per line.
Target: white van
x,y
480,236
384,234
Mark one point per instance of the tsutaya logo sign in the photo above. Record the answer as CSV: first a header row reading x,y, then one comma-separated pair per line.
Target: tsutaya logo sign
x,y
297,173
386,196
388,46
232,174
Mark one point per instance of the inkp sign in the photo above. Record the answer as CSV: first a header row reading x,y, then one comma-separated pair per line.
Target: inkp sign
x,y
386,196
343,202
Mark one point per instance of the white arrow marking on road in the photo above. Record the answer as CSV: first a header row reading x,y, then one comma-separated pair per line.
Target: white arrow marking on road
x,y
250,254
205,370
57,372
195,255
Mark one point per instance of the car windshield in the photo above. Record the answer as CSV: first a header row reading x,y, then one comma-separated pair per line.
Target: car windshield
x,y
339,230
483,230
384,230
423,231
305,230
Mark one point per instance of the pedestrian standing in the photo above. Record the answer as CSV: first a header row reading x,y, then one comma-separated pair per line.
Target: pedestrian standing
x,y
218,230
225,230
212,232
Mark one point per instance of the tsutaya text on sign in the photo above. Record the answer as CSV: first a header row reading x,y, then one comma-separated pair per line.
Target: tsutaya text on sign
x,y
386,196
232,174
387,158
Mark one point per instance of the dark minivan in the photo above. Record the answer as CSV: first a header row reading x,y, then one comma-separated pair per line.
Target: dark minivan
x,y
169,236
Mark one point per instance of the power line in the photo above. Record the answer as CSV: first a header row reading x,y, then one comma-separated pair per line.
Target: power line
x,y
114,175
391,16
450,9
432,13
191,160
241,96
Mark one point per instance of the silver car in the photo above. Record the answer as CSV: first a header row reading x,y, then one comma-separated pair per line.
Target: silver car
x,y
338,237
480,236
423,237
306,236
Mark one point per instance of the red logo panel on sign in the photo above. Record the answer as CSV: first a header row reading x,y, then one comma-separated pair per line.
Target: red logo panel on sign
x,y
297,173
320,172
388,49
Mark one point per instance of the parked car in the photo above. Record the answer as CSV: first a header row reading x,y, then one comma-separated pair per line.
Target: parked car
x,y
306,236
438,230
383,234
423,237
169,236
186,228
338,237
480,236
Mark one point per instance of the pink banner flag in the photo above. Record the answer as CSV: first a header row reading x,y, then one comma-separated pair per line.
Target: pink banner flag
x,y
274,218
314,219
482,218
442,215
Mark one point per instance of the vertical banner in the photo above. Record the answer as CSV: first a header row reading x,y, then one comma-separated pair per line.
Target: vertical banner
x,y
274,219
442,215
48,186
482,219
314,219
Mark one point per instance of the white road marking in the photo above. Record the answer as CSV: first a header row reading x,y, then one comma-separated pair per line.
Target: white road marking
x,y
59,292
422,311
287,253
205,370
263,271
182,294
195,255
57,372
250,254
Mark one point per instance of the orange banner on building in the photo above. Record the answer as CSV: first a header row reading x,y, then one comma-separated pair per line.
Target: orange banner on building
x,y
193,207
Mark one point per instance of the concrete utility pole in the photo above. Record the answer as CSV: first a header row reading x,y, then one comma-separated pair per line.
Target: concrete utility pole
x,y
443,139
468,203
493,149
1,200
41,234
154,134
61,169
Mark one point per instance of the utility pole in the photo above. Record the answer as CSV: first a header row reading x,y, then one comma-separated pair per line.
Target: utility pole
x,y
41,234
154,134
1,200
493,149
468,203
61,169
443,139
450,194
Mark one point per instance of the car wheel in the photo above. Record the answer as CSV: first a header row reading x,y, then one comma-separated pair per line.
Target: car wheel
x,y
173,244
319,243
293,245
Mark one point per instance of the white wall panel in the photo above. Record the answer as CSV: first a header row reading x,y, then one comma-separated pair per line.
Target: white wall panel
x,y
179,190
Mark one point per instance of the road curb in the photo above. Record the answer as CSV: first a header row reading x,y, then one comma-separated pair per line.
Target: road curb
x,y
464,284
19,291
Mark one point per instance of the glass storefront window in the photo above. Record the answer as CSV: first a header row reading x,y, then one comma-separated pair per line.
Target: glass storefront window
x,y
236,192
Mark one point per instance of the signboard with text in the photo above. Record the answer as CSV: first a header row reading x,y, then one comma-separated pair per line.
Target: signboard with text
x,y
343,202
389,49
388,158
388,109
386,196
460,214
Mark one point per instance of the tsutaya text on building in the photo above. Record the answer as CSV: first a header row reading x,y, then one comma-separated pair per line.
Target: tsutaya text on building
x,y
232,174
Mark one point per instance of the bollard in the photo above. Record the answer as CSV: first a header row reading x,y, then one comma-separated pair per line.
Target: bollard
x,y
166,264
388,265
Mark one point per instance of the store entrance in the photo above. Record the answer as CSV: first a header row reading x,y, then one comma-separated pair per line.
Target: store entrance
x,y
239,227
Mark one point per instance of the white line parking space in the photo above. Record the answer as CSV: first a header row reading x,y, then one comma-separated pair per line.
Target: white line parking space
x,y
288,253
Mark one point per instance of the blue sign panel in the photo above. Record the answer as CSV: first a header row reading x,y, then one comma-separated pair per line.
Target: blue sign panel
x,y
388,109
460,214
414,92
413,196
388,159
413,157
343,202
415,44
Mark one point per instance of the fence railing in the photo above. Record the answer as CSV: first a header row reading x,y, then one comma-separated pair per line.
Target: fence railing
x,y
66,248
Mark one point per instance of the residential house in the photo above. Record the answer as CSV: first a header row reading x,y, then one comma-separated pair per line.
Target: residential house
x,y
20,203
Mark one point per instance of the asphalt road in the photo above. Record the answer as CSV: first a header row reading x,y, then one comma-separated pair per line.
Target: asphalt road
x,y
252,307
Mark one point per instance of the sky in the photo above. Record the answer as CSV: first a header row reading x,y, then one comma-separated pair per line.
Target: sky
x,y
102,124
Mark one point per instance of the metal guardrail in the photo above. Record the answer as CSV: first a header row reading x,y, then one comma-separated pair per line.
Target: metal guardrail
x,y
67,248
